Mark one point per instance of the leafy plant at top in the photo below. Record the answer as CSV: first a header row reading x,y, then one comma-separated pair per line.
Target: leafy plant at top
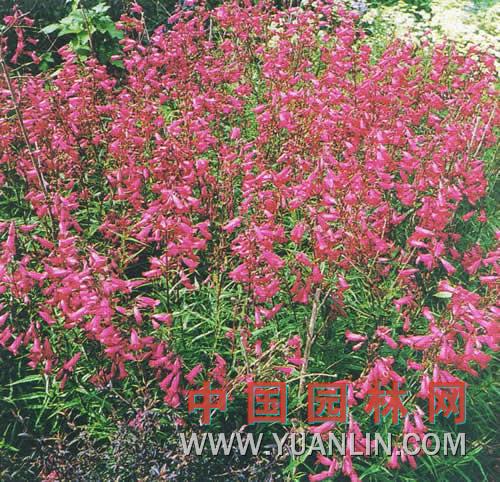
x,y
91,31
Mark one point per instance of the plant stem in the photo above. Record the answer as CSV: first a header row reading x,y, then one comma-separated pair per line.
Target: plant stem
x,y
34,160
310,336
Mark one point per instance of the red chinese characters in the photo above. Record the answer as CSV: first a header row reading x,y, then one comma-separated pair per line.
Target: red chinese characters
x,y
266,402
327,402
206,400
447,398
385,402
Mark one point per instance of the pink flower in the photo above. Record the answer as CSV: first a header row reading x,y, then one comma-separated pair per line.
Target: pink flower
x,y
193,374
232,225
350,336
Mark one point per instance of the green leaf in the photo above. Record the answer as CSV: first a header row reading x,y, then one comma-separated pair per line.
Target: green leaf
x,y
28,379
83,38
118,63
76,29
100,8
443,294
51,28
113,32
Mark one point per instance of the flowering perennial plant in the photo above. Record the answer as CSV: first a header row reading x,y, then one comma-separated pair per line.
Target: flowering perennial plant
x,y
262,151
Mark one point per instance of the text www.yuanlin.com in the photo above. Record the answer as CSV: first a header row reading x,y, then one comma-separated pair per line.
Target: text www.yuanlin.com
x,y
298,444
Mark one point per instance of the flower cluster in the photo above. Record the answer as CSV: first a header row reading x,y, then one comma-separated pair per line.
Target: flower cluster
x,y
268,149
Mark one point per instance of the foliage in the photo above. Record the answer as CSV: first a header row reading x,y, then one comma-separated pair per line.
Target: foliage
x,y
47,13
465,23
83,27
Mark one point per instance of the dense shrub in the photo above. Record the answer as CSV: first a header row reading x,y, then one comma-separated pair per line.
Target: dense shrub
x,y
267,162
